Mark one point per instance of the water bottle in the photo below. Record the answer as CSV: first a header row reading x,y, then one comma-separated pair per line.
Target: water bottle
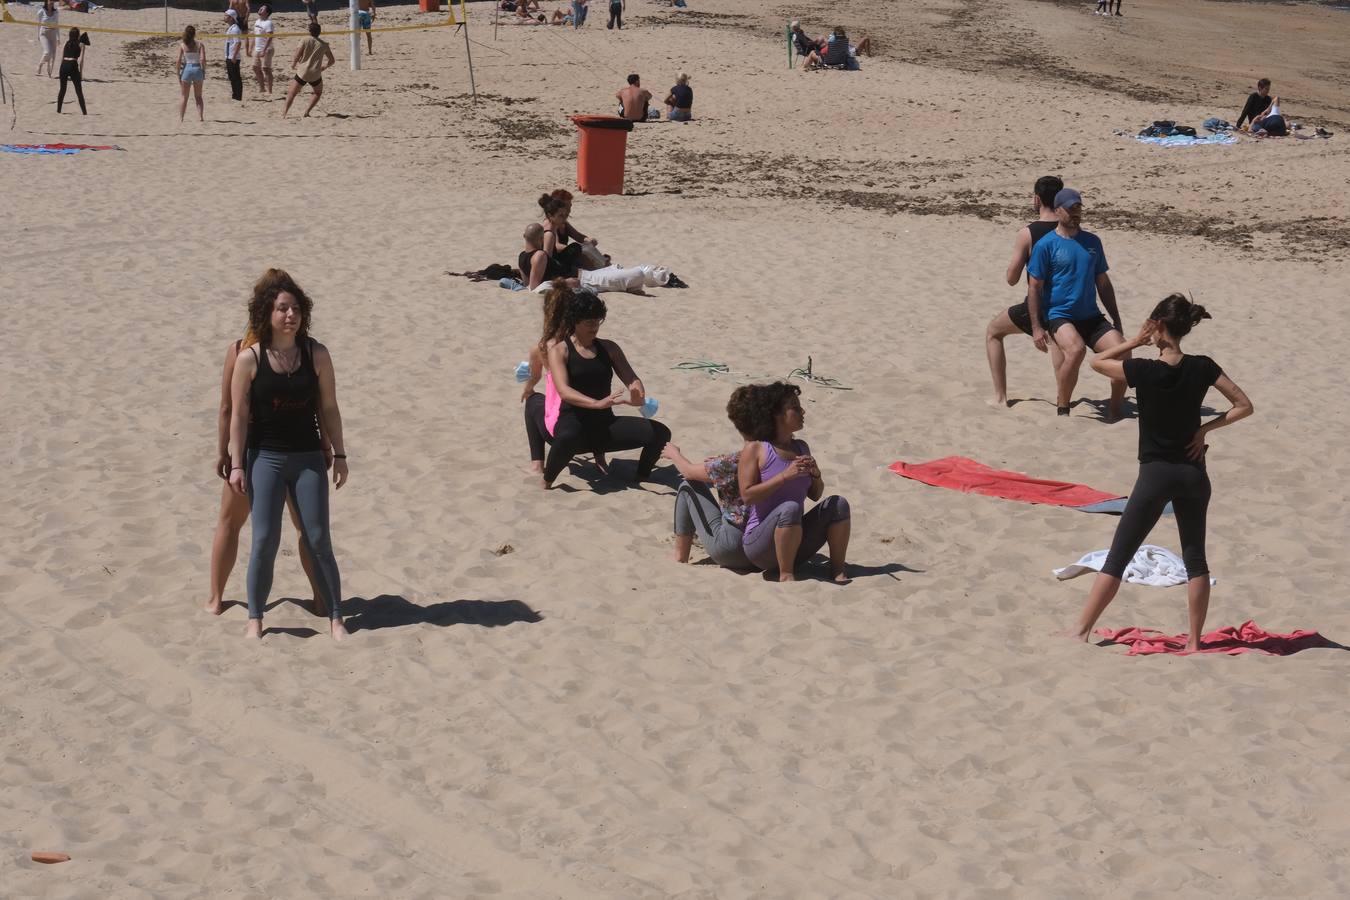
x,y
522,372
649,407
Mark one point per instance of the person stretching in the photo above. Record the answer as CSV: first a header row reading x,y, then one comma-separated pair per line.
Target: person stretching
x,y
281,388
263,51
582,367
312,59
777,473
234,508
72,65
1017,318
1066,270
1172,448
720,523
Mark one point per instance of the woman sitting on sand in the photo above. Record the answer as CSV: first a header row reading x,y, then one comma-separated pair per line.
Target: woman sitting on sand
x,y
563,243
582,367
234,508
1170,391
281,388
838,53
191,68
1270,123
777,474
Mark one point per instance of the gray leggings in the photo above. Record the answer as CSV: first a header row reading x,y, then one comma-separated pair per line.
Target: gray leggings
x,y
271,475
759,546
696,512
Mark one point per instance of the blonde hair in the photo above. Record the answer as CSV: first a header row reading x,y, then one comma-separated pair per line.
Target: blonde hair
x,y
682,78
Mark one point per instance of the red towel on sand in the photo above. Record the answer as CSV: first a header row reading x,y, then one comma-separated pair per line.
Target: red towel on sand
x,y
970,477
1246,638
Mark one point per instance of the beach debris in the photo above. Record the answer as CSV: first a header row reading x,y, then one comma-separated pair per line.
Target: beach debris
x,y
49,857
809,376
503,550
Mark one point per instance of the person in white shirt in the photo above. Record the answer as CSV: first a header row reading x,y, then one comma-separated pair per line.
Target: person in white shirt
x,y
262,48
233,47
47,33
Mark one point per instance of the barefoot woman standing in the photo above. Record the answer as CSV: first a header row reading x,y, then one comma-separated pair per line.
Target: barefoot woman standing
x,y
279,388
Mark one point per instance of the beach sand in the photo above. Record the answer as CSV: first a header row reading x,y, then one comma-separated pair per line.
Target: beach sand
x,y
534,701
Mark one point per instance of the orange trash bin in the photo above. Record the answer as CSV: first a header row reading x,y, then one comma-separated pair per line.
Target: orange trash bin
x,y
429,5
600,159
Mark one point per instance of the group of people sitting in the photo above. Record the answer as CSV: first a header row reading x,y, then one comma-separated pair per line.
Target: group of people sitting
x,y
1263,111
832,52
635,100
759,519
556,251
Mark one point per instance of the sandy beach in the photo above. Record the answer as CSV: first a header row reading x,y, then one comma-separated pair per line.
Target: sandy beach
x,y
535,702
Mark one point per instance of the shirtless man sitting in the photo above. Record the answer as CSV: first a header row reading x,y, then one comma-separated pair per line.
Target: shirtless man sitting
x,y
635,100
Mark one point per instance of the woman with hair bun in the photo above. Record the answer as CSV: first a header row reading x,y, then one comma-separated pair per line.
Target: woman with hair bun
x,y
777,474
1169,391
281,388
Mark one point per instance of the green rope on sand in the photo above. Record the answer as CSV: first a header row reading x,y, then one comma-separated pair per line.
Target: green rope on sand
x,y
703,365
807,375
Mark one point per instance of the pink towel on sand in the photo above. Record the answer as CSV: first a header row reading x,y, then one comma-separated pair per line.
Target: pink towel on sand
x,y
970,477
1246,638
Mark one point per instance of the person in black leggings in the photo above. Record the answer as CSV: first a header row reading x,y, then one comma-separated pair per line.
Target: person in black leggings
x,y
72,62
582,368
1169,391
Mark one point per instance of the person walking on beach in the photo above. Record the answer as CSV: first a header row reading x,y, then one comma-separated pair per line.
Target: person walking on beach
x,y
263,29
616,11
1172,448
191,68
312,59
365,18
234,508
1017,318
72,66
281,388
579,10
1066,271
233,47
48,31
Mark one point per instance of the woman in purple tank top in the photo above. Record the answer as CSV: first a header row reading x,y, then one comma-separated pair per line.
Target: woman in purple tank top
x,y
777,474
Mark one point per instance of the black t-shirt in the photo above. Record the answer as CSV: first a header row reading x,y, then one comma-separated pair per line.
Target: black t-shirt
x,y
684,96
551,271
1169,403
1256,104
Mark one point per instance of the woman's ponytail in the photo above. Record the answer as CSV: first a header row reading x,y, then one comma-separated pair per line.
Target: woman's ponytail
x,y
1178,314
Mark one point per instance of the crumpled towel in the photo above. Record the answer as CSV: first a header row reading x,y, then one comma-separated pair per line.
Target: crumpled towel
x,y
1246,638
958,473
54,149
1153,566
1185,140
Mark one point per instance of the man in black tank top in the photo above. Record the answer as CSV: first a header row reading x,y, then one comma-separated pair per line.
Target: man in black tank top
x,y
1017,318
536,266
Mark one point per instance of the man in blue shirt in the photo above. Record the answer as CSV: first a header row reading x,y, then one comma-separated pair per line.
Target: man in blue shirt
x,y
1066,271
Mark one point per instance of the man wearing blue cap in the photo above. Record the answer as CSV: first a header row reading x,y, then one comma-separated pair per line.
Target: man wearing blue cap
x,y
1066,271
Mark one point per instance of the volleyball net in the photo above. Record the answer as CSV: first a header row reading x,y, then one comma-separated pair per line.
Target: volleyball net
x,y
26,15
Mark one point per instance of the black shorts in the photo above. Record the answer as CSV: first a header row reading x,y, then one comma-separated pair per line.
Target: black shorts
x,y
317,82
1021,317
1090,330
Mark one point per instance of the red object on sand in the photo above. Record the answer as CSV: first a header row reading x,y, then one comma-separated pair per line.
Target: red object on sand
x,y
1246,638
600,159
970,477
49,857
429,5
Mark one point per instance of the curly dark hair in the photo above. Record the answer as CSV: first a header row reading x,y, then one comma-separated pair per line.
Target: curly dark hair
x,y
1178,314
753,407
564,308
265,292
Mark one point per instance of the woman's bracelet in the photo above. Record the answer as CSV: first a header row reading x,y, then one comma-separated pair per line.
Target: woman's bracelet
x,y
237,469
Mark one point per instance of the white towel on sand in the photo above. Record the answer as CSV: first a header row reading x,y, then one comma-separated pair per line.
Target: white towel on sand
x,y
1154,566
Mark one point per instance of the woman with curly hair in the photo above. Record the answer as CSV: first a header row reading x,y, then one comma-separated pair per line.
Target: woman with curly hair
x,y
281,388
582,368
777,474
1169,391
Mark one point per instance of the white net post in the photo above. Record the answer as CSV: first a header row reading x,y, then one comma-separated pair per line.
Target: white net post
x,y
356,37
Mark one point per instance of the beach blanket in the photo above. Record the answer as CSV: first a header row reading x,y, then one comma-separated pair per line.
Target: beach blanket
x,y
1185,140
53,149
1246,638
1153,566
970,477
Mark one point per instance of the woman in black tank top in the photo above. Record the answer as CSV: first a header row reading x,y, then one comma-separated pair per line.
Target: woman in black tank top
x,y
583,367
1169,392
234,508
280,389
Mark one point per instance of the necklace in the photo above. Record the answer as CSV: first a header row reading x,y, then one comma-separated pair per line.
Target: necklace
x,y
288,363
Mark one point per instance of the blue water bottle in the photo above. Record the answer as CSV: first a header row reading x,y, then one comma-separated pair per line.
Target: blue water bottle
x,y
649,407
522,372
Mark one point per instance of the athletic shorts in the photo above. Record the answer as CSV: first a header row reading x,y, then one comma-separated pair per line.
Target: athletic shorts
x,y
1021,317
302,82
1090,330
363,18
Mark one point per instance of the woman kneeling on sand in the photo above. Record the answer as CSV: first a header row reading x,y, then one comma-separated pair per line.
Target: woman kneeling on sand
x,y
234,508
777,474
1170,391
281,388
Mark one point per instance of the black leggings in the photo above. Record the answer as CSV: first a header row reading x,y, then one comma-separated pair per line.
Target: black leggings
x,y
615,15
1186,486
600,431
71,72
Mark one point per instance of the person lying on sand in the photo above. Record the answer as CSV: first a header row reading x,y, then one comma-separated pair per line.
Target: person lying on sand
x,y
1270,123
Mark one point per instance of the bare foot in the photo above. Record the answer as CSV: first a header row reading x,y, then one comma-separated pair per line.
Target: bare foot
x,y
337,629
215,606
676,556
999,402
1114,412
537,466
254,629
601,463
1073,634
1192,647
842,578
544,485
786,576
